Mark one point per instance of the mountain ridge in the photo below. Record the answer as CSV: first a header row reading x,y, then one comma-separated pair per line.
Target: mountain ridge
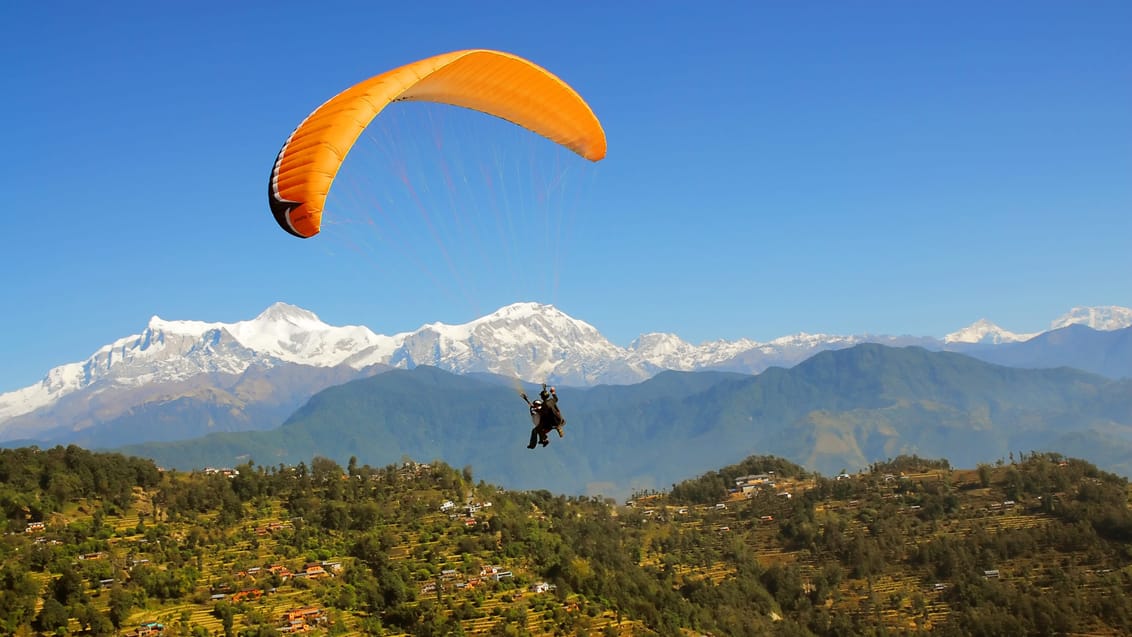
x,y
172,360
839,409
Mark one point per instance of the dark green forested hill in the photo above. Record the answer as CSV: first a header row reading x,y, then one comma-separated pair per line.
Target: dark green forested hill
x,y
840,409
100,544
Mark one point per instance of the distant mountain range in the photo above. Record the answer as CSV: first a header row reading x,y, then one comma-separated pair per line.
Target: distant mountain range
x,y
181,379
838,410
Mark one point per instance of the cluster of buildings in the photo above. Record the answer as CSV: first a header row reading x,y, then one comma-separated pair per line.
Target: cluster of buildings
x,y
310,570
751,483
38,528
148,629
412,469
271,527
450,578
468,511
300,620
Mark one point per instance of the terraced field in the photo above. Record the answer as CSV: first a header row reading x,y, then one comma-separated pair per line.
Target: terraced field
x,y
870,554
428,545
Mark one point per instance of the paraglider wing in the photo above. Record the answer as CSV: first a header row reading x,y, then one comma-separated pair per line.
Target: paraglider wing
x,y
492,82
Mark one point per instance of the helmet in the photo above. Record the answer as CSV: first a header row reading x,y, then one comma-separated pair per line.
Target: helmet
x,y
538,403
552,390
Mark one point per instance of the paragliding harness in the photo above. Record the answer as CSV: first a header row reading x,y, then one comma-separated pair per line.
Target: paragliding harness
x,y
544,416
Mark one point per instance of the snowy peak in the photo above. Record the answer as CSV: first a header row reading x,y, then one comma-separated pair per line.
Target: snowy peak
x,y
667,351
548,320
984,332
280,312
1104,318
296,335
159,325
524,310
528,340
662,351
170,351
659,343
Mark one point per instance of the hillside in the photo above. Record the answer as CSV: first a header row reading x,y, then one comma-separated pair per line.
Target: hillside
x,y
1032,545
837,410
1105,352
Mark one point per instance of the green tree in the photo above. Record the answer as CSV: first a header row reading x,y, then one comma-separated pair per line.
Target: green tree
x,y
53,615
985,475
118,608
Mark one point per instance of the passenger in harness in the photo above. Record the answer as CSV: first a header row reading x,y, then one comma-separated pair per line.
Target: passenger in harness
x,y
544,416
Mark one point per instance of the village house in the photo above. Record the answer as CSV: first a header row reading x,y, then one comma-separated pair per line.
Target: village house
x,y
272,527
754,480
252,572
149,628
34,527
540,587
315,571
302,619
494,572
280,570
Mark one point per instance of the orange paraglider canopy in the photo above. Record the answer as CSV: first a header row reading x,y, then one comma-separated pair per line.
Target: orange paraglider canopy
x,y
492,82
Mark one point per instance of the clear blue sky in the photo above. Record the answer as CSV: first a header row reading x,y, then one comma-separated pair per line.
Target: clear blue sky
x,y
773,167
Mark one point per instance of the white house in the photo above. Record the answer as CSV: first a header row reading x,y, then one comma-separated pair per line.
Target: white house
x,y
540,587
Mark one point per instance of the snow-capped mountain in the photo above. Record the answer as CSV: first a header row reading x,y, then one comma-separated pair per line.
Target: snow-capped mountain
x,y
656,351
1105,318
983,331
171,351
526,340
259,368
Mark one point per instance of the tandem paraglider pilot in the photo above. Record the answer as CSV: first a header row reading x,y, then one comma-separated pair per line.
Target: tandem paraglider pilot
x,y
545,416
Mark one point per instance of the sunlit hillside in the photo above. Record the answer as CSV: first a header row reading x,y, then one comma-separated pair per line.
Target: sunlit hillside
x,y
103,544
